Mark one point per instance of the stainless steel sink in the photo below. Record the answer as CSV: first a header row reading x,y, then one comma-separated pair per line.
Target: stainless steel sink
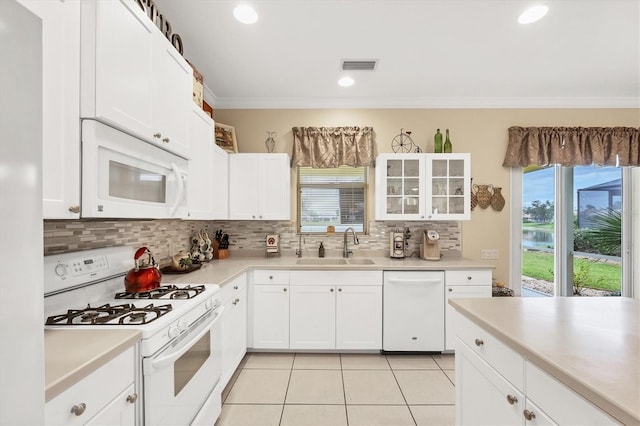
x,y
323,261
361,261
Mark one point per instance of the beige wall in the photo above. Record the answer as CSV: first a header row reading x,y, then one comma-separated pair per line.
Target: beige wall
x,y
483,133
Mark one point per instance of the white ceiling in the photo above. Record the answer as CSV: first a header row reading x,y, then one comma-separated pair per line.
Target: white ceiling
x,y
432,53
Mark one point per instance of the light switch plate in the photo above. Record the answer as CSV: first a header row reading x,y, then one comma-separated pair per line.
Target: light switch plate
x,y
489,254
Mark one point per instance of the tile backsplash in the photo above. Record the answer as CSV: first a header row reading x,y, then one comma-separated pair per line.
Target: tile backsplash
x,y
167,237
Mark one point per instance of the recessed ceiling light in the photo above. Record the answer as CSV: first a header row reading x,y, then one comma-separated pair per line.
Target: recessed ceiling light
x,y
532,14
245,14
346,81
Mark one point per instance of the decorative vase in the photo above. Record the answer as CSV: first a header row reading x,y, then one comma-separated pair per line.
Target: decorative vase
x,y
484,194
437,142
474,196
270,142
497,200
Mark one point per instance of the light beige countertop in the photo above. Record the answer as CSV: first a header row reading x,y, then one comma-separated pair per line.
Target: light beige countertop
x,y
71,355
591,344
221,271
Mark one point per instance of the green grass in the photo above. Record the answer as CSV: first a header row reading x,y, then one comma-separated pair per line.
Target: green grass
x,y
540,265
535,225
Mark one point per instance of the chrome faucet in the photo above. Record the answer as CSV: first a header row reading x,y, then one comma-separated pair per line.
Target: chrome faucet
x,y
345,247
299,249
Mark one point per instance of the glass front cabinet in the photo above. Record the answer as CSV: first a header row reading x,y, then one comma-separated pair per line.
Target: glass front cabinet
x,y
423,187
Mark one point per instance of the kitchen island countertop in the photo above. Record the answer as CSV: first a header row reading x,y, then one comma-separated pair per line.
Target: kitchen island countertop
x,y
591,344
71,355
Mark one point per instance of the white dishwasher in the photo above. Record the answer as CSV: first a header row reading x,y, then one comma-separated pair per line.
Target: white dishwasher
x,y
413,311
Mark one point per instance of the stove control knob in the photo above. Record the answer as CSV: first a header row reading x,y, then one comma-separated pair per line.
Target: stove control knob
x,y
173,332
208,305
182,325
61,270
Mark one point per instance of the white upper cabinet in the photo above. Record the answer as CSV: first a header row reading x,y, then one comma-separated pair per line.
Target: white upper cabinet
x,y
423,187
200,197
219,186
60,107
130,77
259,187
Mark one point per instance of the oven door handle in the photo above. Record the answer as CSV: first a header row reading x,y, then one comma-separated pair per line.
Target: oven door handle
x,y
172,355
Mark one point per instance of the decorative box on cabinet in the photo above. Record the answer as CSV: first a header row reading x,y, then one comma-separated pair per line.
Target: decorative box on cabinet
x,y
133,78
259,187
60,107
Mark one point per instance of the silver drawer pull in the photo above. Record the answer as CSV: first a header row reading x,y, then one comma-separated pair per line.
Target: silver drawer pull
x,y
529,415
284,289
512,399
270,277
479,342
235,287
469,278
79,409
131,399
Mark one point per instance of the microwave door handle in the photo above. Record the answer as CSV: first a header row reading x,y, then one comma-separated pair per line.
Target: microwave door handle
x,y
172,356
180,184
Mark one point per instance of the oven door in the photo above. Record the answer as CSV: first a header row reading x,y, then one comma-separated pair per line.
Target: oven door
x,y
178,379
125,177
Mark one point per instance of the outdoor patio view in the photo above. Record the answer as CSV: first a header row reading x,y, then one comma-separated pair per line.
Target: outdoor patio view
x,y
596,231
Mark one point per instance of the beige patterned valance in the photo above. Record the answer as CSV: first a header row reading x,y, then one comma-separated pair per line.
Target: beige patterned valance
x,y
329,147
573,146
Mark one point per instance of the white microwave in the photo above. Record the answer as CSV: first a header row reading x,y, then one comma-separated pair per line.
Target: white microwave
x,y
126,177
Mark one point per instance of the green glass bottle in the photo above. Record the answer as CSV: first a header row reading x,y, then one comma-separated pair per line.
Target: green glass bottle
x,y
437,142
447,143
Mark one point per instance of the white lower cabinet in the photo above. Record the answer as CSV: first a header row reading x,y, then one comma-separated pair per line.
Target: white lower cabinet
x,y
114,404
234,326
312,317
359,317
270,320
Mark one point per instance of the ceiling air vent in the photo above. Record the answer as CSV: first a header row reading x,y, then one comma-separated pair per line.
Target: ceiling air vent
x,y
359,64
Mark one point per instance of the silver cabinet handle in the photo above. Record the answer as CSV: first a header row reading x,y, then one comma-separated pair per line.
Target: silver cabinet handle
x,y
79,409
512,399
74,209
529,415
235,287
284,289
270,277
331,290
157,135
165,140
131,399
479,342
339,289
469,278
450,290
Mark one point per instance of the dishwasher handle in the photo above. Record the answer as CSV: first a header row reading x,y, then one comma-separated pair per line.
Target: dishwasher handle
x,y
415,281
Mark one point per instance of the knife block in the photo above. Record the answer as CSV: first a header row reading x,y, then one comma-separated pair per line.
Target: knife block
x,y
220,253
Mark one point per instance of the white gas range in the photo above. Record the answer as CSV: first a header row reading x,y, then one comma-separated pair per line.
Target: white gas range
x,y
180,346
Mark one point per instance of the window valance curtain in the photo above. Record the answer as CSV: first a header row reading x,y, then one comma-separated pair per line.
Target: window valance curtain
x,y
330,147
573,146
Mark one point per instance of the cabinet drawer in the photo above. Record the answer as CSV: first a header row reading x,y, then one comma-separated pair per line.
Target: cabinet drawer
x,y
344,278
468,277
265,276
503,359
233,287
95,391
561,403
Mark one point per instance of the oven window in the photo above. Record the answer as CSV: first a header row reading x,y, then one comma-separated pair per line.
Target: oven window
x,y
133,183
188,364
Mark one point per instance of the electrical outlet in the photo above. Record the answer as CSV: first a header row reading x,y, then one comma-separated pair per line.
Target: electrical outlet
x,y
489,254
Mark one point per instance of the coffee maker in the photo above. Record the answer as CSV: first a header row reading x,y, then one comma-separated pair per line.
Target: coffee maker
x,y
430,246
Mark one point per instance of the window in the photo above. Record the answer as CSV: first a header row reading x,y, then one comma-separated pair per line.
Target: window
x,y
334,197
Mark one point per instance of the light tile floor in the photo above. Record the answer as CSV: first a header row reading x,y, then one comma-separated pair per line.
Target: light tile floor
x,y
340,389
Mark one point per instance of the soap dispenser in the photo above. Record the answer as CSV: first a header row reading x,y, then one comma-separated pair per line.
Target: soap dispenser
x,y
321,250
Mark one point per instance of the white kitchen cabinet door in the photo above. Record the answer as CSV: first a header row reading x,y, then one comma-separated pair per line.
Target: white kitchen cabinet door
x,y
457,291
312,317
270,317
484,397
60,107
359,317
220,184
200,196
234,326
259,187
120,412
400,187
448,186
117,65
171,97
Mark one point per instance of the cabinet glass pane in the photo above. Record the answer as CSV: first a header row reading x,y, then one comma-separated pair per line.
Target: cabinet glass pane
x,y
394,186
411,168
456,205
411,205
439,187
456,186
439,205
394,168
456,168
439,168
412,187
394,205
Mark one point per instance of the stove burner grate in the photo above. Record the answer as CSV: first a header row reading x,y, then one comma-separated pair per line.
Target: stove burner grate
x,y
107,315
165,292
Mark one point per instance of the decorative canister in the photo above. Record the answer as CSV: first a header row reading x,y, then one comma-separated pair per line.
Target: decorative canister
x,y
474,197
497,200
484,194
